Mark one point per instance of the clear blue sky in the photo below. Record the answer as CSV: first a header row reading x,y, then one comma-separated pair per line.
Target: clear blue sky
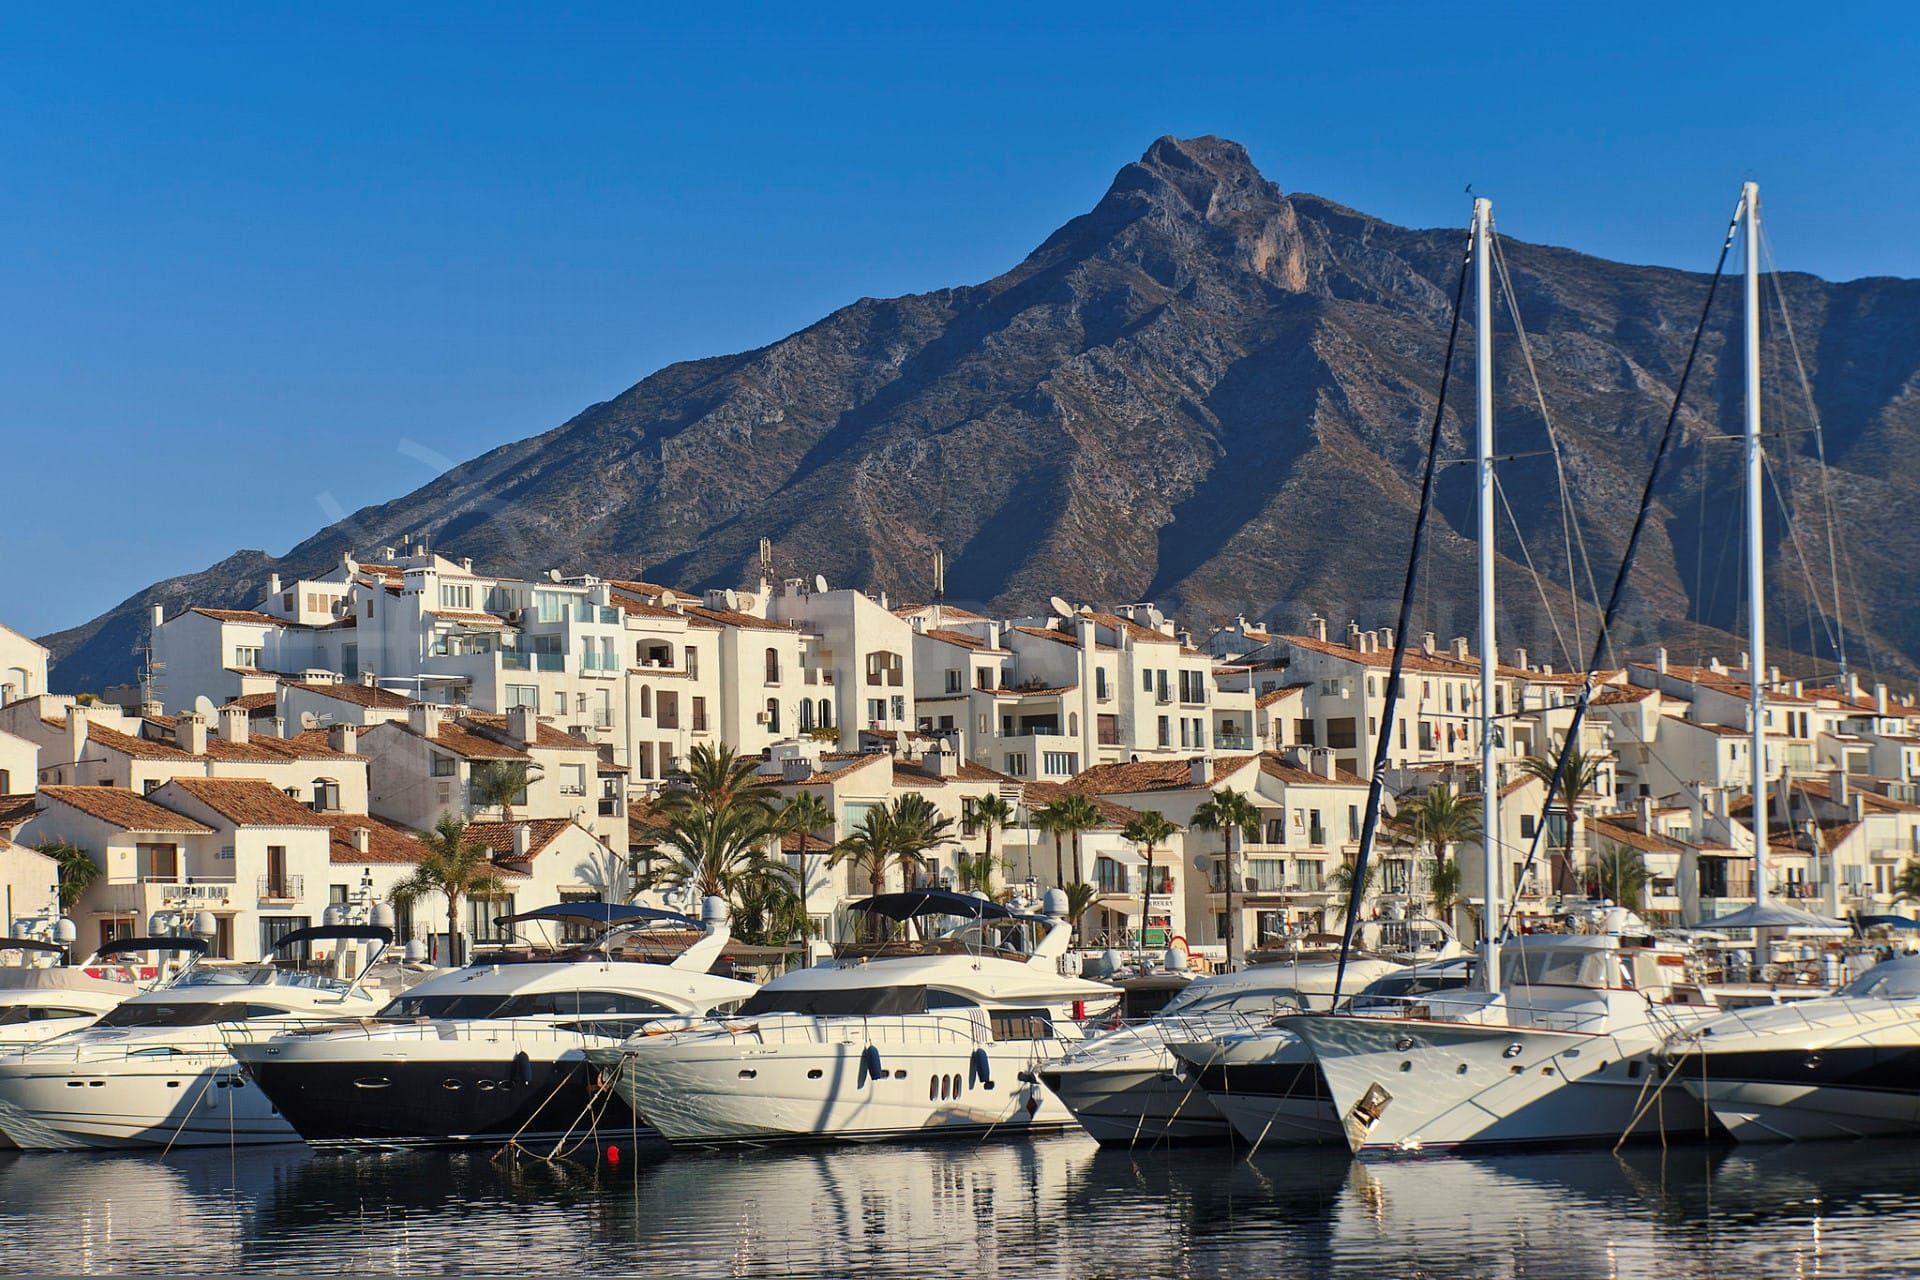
x,y
262,266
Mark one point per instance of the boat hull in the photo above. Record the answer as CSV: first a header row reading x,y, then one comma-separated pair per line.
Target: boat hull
x,y
1268,1088
714,1091
1137,1103
1783,1095
130,1104
1408,1085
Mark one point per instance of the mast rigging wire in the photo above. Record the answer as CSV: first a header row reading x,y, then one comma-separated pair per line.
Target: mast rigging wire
x,y
1600,643
1383,747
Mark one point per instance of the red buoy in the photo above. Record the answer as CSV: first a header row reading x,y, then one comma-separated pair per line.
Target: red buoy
x,y
613,1154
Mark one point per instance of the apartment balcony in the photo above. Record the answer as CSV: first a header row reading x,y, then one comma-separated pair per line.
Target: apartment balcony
x,y
282,888
1224,741
149,894
812,675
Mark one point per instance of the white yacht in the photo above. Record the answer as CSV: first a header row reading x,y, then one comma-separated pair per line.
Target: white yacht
x,y
1127,1086
47,997
156,1070
1264,1082
496,1050
1842,1066
941,1036
1563,1050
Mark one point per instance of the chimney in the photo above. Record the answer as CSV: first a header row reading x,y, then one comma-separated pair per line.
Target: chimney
x,y
1853,686
276,727
522,725
1660,661
993,635
1428,643
368,681
157,615
76,734
1386,638
1323,762
1317,627
1460,648
1646,814
945,761
1773,677
1879,699
362,839
1199,772
233,724
273,586
344,738
1839,789
522,840
190,733
1356,638
1520,659
424,718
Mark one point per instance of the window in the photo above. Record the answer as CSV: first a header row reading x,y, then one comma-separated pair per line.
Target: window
x,y
983,678
456,595
1146,682
1304,735
1353,822
1017,763
1277,830
286,601
1107,730
549,606
1166,732
603,708
806,714
886,668
1342,732
278,884
1428,741
523,695
1100,689
899,708
1185,732
573,779
646,702
700,713
643,759
954,676
326,795
444,766
158,863
826,714
773,666
274,928
247,656
773,715
1527,826
1060,764
693,662
1266,875
481,913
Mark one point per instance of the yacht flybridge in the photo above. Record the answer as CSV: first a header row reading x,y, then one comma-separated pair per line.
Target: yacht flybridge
x,y
941,1030
496,1051
47,997
157,1072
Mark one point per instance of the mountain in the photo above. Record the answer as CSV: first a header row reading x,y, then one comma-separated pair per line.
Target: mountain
x,y
1209,393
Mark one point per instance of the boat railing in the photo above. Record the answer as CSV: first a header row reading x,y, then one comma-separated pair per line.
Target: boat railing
x,y
1153,1034
925,1028
1825,1014
1424,1008
565,1029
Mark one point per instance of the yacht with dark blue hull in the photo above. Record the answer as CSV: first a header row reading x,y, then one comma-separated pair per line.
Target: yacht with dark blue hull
x,y
496,1051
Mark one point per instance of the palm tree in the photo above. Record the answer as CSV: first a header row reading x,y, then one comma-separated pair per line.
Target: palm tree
x,y
1348,886
803,814
1229,811
973,871
897,834
718,778
1623,875
497,783
1906,885
1151,830
990,813
1076,815
1578,776
768,909
1050,819
76,867
455,867
715,852
1432,824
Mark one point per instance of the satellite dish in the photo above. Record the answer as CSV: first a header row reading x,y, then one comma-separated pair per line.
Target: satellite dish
x,y
203,706
668,599
308,720
1061,607
732,598
820,582
1155,617
553,575
1201,862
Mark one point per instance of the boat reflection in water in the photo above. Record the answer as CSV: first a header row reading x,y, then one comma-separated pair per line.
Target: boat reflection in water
x,y
1057,1206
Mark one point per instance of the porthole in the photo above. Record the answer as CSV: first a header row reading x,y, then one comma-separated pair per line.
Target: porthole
x,y
748,1073
815,1074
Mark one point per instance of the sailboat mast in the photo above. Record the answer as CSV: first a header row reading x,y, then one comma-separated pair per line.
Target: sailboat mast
x,y
1490,843
1756,569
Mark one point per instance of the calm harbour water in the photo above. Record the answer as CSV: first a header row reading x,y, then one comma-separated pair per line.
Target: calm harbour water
x,y
1057,1207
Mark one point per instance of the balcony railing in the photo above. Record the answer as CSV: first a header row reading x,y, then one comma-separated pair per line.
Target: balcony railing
x,y
281,888
1232,741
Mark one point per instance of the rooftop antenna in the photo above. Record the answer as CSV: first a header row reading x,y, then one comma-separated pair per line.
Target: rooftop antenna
x,y
939,583
766,564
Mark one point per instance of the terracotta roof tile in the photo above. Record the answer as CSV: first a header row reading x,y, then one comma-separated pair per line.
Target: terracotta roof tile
x,y
252,702
1152,775
959,638
732,618
545,735
241,615
16,809
121,808
467,618
498,836
388,843
1275,767
1059,637
1112,814
249,802
360,695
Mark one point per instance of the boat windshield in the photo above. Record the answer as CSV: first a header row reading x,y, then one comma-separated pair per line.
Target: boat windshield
x,y
851,1001
259,975
570,1004
197,1013
1886,981
1556,967
1257,1000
